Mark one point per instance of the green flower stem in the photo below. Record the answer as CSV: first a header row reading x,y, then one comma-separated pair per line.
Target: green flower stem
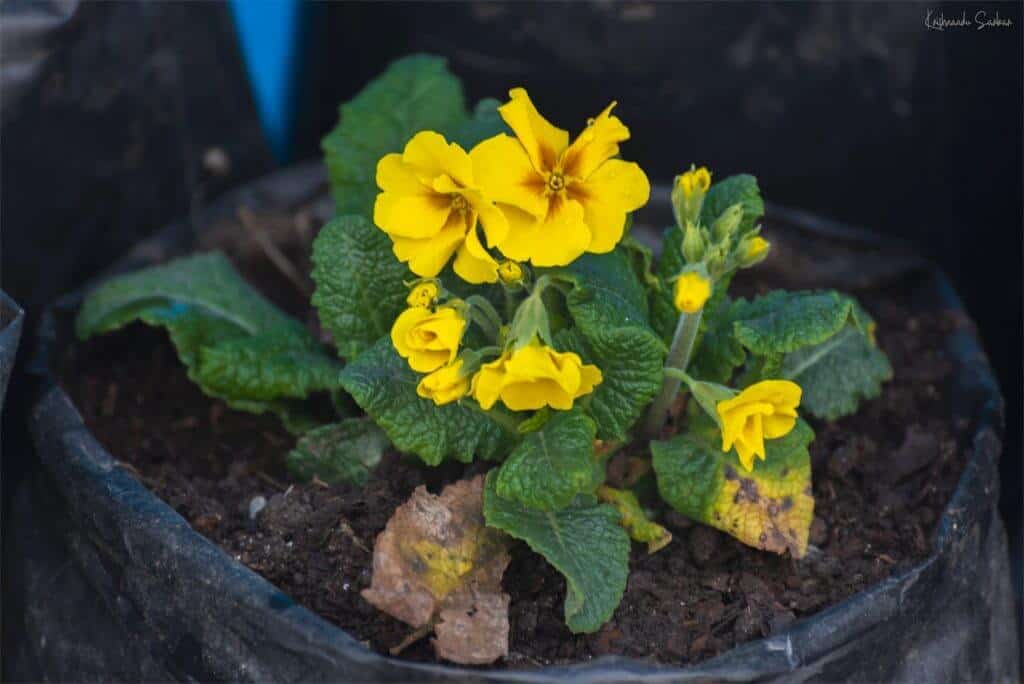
x,y
678,358
484,315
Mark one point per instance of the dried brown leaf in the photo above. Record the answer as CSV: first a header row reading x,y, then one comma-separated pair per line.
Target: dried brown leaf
x,y
437,563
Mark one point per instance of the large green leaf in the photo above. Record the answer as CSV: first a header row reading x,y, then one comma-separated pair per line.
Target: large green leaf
x,y
235,344
837,374
608,304
583,541
631,360
282,363
359,284
384,386
415,93
205,283
342,452
782,322
552,465
770,508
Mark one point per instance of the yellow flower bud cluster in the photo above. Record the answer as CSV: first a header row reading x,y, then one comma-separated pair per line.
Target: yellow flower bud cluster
x,y
523,377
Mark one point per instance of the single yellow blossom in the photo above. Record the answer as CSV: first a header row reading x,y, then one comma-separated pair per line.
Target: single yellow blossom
x,y
510,272
765,410
430,205
560,199
693,181
533,377
445,385
428,339
691,292
423,294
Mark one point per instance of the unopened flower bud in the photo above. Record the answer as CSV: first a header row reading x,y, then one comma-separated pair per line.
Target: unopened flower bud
x,y
423,294
726,224
693,244
691,292
688,194
510,272
751,251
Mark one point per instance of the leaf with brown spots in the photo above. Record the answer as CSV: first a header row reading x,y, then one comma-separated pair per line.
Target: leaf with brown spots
x,y
437,565
770,507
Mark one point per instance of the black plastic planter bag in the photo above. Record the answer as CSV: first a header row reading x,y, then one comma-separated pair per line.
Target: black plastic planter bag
x,y
118,587
11,317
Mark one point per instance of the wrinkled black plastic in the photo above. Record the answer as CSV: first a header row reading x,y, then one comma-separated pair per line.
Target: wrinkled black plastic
x,y
11,317
120,587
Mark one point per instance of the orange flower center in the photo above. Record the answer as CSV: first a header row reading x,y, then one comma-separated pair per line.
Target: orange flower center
x,y
556,182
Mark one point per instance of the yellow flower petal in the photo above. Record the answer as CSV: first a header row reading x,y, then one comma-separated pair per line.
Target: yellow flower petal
x,y
560,238
427,257
765,410
597,143
535,394
613,190
393,175
505,174
430,155
428,340
411,216
493,221
444,385
542,141
486,384
472,262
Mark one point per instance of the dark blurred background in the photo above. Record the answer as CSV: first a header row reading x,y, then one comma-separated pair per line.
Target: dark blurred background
x,y
120,117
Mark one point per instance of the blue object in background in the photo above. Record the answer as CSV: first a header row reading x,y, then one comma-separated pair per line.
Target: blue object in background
x,y
269,33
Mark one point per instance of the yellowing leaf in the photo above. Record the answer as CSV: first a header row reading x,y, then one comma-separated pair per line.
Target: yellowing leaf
x,y
436,564
770,507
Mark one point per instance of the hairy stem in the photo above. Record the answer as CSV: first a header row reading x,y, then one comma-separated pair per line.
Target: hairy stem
x,y
678,358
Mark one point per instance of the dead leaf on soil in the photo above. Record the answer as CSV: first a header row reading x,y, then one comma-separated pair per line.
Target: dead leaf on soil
x,y
436,563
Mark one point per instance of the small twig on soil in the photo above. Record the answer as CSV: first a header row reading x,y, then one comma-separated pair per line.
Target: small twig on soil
x,y
270,250
317,482
408,641
347,530
270,481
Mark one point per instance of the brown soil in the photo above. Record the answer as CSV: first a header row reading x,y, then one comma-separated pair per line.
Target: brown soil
x,y
881,479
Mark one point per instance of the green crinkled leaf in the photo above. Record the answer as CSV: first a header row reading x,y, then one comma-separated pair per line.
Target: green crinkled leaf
x,y
415,93
740,189
485,123
769,508
235,344
584,542
207,283
282,363
782,322
552,465
606,292
608,304
384,386
838,373
631,360
359,284
343,452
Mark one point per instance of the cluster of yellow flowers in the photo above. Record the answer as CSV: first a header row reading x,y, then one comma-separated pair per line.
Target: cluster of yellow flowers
x,y
527,378
536,197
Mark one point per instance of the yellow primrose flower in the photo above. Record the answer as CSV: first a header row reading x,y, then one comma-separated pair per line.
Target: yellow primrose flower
x,y
510,272
429,206
445,385
423,294
691,292
428,339
534,376
560,199
765,410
